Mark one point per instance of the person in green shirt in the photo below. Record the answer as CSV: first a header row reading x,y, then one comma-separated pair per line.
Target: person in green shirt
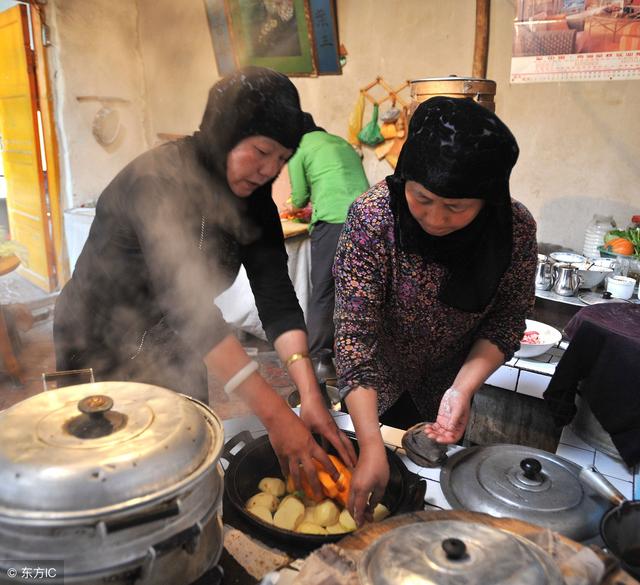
x,y
327,171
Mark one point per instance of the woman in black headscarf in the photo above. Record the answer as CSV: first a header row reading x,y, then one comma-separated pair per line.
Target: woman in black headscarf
x,y
434,278
170,234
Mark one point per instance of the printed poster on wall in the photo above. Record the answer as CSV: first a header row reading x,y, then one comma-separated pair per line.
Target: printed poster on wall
x,y
576,40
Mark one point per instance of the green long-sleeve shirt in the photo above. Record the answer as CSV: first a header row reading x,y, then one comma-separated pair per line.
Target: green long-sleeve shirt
x,y
326,170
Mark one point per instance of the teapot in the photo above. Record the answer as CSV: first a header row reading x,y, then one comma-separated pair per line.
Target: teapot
x,y
544,273
566,280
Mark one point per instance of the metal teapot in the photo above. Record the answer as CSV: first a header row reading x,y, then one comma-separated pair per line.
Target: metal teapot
x,y
544,273
566,280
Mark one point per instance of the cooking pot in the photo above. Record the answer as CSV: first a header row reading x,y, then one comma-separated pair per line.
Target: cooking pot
x,y
515,481
475,88
256,459
119,480
450,552
620,526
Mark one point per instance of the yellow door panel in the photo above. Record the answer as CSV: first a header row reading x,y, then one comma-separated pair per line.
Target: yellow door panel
x,y
27,210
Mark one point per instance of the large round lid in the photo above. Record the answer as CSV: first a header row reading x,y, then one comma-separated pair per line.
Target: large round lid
x,y
100,448
453,552
515,481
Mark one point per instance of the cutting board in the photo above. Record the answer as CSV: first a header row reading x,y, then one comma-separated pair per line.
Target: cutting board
x,y
361,539
293,228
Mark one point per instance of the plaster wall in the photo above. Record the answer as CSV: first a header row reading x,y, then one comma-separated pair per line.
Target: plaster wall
x,y
579,140
95,63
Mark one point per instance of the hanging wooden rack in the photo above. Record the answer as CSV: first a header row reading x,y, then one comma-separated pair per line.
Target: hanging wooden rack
x,y
392,94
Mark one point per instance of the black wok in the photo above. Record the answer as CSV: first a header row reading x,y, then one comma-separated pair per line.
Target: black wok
x,y
256,459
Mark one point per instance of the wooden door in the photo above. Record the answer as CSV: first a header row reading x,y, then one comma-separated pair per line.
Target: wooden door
x,y
27,206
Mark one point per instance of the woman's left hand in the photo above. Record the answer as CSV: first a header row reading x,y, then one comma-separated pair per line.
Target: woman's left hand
x,y
453,417
318,420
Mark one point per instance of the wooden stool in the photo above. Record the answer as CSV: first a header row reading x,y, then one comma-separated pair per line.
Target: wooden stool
x,y
8,264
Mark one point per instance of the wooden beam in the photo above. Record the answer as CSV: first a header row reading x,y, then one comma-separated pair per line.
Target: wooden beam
x,y
481,47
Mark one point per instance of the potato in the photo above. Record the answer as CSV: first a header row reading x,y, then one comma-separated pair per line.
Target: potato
x,y
310,528
268,501
263,513
272,485
289,514
309,512
347,520
337,528
380,512
326,513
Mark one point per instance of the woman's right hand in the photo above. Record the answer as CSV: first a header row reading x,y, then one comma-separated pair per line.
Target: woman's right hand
x,y
296,448
369,481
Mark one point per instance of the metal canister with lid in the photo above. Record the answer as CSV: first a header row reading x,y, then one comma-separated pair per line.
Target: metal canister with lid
x,y
478,89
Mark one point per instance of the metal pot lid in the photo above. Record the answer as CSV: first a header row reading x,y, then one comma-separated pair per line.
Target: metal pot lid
x,y
453,552
515,481
101,448
595,298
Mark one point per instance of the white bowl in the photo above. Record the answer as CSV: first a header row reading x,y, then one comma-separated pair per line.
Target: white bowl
x,y
548,337
567,257
592,274
621,287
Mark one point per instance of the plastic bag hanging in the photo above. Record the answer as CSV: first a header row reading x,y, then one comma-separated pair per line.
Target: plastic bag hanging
x,y
355,120
370,134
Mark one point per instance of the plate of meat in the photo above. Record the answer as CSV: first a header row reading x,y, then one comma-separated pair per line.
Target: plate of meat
x,y
538,338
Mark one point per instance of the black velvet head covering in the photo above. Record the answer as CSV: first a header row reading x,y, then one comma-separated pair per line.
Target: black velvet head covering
x,y
458,149
310,124
250,102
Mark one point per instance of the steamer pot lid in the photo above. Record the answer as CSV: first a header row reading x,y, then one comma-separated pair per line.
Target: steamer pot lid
x,y
452,552
151,443
522,482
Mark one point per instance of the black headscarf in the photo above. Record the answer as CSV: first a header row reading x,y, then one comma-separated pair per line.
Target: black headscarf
x,y
252,101
458,149
310,124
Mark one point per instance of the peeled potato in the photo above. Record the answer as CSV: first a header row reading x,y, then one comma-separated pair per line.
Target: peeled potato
x,y
272,485
310,528
309,512
268,501
326,513
347,520
262,513
380,512
289,514
337,528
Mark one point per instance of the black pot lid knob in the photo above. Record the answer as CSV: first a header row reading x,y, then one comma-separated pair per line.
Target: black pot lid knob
x,y
531,468
96,404
454,548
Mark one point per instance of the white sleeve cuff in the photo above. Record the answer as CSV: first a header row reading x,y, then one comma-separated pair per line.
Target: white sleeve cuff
x,y
240,376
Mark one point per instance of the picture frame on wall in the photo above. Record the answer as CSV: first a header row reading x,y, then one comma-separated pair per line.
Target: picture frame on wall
x,y
220,37
272,33
325,37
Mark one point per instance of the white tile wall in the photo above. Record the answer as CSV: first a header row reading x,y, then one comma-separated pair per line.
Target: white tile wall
x,y
582,457
504,377
568,437
612,467
532,384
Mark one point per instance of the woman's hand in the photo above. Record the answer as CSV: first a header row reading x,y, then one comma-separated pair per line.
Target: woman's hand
x,y
453,417
319,420
296,448
369,481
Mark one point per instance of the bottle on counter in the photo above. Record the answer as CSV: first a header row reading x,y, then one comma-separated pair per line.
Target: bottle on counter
x,y
594,234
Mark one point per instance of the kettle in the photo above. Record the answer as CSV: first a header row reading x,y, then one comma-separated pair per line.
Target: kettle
x,y
566,280
544,273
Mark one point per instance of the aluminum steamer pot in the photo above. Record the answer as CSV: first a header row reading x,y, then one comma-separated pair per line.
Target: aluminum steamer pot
x,y
256,459
515,481
119,480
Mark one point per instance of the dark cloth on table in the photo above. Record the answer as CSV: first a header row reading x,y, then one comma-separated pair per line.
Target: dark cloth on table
x,y
324,241
602,364
169,236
